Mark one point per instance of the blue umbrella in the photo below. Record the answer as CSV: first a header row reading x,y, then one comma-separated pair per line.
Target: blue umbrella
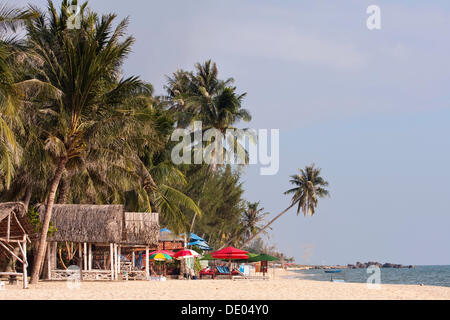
x,y
201,244
195,237
165,230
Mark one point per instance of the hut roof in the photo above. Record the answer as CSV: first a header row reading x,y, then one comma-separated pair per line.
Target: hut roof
x,y
86,223
20,224
141,228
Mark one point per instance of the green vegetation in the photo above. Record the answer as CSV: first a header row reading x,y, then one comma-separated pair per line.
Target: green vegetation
x,y
73,130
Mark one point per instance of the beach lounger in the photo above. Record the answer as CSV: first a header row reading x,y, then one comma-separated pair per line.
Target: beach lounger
x,y
207,272
238,275
220,270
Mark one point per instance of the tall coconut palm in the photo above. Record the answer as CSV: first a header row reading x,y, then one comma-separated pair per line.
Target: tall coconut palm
x,y
10,19
8,145
17,89
202,96
251,219
309,187
84,64
249,224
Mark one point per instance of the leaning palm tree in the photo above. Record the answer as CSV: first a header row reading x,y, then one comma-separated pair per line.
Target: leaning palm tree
x,y
84,64
309,187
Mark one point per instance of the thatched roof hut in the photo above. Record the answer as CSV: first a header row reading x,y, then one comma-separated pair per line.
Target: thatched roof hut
x,y
86,223
19,223
15,231
141,228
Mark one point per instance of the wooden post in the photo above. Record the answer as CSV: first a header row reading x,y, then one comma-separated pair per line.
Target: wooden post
x,y
49,262
90,257
116,274
147,267
54,253
133,259
8,228
111,256
25,265
118,259
80,260
85,256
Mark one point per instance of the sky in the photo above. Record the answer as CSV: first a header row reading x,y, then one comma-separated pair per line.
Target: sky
x,y
369,107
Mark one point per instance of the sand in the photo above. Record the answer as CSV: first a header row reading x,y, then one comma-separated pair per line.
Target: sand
x,y
283,286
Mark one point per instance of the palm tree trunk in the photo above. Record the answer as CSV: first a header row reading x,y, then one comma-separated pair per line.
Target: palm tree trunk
x,y
63,189
39,257
267,225
27,197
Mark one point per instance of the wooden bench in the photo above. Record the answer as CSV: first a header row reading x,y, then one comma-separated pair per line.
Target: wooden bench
x,y
12,276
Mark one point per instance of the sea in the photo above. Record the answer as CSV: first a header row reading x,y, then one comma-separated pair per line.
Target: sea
x,y
427,275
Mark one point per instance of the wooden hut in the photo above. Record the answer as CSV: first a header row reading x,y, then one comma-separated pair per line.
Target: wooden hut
x,y
141,232
15,232
102,233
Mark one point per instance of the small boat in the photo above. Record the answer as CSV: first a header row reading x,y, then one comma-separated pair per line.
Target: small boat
x,y
333,271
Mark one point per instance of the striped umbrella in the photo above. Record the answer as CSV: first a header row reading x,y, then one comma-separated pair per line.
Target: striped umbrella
x,y
160,257
170,253
186,253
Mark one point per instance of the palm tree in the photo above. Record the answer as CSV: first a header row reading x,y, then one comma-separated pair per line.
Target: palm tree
x,y
309,187
249,224
203,96
84,64
10,20
251,219
8,145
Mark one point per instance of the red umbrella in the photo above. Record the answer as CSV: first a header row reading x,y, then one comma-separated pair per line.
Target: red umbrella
x,y
233,257
230,253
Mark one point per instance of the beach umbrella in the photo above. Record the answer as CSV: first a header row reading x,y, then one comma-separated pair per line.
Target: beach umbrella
x,y
165,230
262,257
193,236
247,258
230,253
168,252
160,257
201,244
186,253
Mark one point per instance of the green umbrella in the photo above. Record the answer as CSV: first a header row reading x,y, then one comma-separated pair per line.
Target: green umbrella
x,y
262,257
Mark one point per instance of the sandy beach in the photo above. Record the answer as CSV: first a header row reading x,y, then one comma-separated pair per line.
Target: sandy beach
x,y
283,286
